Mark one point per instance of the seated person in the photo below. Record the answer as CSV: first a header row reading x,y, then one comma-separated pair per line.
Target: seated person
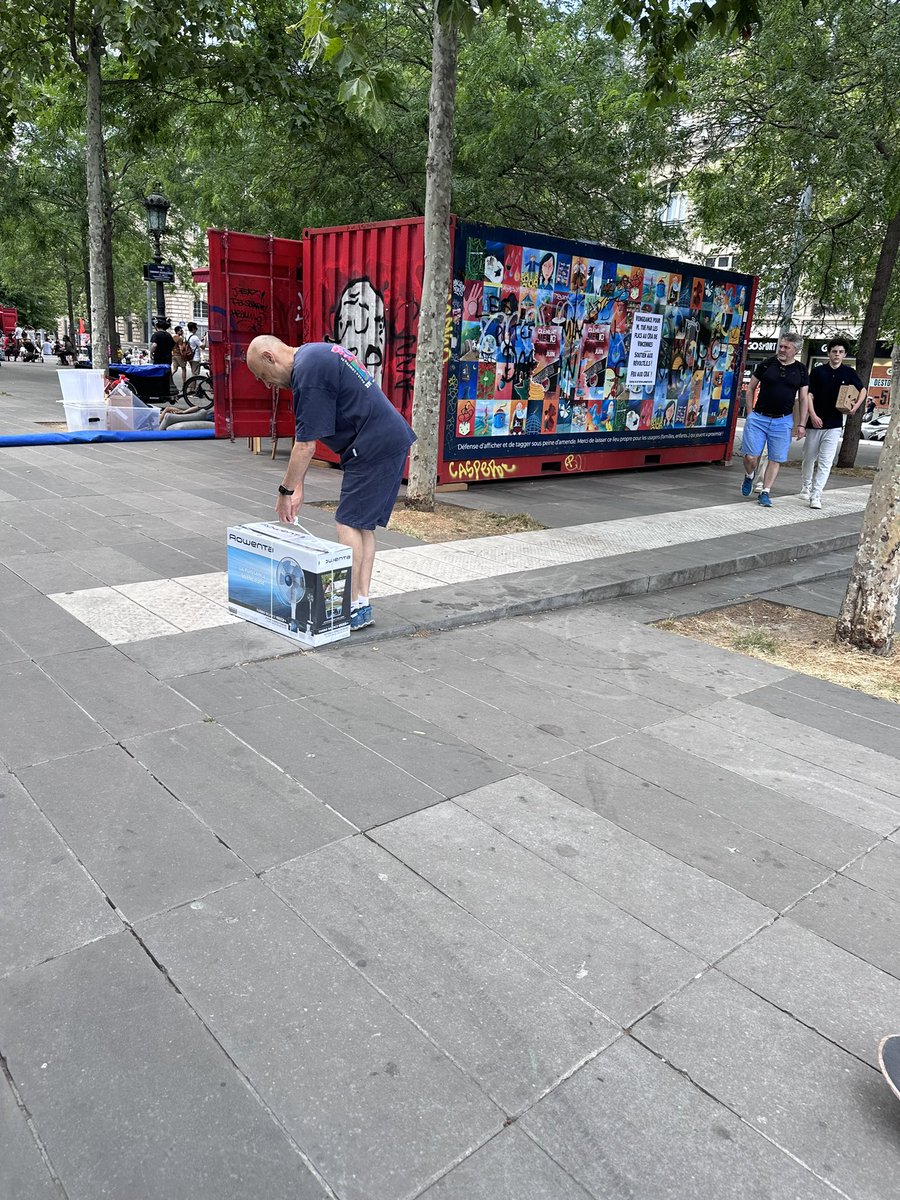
x,y
198,413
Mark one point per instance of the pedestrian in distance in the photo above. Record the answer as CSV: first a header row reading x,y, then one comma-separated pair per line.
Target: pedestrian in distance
x,y
774,388
337,402
162,344
178,358
825,421
191,348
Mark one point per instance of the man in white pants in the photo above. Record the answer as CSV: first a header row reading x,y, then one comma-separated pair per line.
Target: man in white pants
x,y
823,433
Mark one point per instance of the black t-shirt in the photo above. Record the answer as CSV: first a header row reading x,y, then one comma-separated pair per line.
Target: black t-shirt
x,y
778,387
165,344
336,401
824,384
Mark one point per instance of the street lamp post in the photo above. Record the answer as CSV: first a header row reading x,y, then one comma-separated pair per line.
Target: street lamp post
x,y
157,207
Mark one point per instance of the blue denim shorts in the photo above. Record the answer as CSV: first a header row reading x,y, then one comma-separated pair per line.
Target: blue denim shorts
x,y
774,432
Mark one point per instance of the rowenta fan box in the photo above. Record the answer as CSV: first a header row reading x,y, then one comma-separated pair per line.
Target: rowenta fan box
x,y
287,580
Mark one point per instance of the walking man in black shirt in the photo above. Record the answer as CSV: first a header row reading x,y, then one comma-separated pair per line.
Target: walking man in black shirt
x,y
774,387
825,421
162,344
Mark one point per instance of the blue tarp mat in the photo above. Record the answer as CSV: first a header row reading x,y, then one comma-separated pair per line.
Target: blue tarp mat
x,y
103,435
147,370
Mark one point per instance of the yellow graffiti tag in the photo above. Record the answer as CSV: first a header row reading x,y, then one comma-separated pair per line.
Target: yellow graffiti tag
x,y
483,468
572,462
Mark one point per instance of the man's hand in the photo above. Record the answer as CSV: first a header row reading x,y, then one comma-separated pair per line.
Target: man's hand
x,y
800,432
815,421
287,507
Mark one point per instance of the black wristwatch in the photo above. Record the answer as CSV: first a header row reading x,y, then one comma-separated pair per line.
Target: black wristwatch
x,y
283,491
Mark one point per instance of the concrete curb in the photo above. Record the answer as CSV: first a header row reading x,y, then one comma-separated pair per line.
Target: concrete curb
x,y
591,582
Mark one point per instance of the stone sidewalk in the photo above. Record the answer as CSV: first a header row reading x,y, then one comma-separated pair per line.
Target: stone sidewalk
x,y
557,906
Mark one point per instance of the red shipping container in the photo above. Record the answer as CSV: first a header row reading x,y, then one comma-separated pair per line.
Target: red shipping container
x,y
561,356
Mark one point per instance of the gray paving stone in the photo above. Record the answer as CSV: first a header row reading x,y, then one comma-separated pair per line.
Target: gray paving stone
x,y
10,652
109,564
757,866
25,1174
48,903
209,551
298,676
845,700
879,870
355,781
779,817
578,724
769,1069
854,917
509,1167
38,720
42,628
350,1078
166,562
121,696
13,586
847,726
47,532
507,738
50,571
844,757
628,1125
514,1029
616,962
204,649
851,801
679,902
260,813
834,992
130,1094
426,751
227,690
145,849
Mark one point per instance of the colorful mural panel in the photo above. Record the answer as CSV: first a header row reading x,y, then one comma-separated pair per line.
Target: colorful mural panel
x,y
560,346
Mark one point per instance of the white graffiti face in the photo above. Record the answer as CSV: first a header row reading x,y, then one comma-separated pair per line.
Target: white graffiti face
x,y
360,325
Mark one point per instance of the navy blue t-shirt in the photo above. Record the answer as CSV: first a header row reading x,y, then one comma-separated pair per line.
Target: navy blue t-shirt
x,y
337,402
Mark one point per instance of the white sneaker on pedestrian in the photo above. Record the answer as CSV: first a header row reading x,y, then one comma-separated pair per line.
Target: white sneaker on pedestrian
x,y
759,486
815,502
805,494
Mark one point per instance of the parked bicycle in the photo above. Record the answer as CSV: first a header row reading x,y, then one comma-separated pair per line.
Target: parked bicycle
x,y
198,389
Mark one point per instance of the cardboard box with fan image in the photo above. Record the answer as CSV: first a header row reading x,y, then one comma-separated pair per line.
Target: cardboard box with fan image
x,y
284,578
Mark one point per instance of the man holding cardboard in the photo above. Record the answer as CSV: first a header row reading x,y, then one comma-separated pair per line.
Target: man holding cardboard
x,y
834,390
338,403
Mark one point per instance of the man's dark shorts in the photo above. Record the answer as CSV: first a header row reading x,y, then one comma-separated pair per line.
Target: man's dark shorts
x,y
369,491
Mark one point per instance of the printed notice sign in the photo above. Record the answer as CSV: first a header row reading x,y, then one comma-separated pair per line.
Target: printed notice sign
x,y
646,335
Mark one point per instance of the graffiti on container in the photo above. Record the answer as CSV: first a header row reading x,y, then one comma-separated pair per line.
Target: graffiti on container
x,y
573,462
249,310
481,468
360,325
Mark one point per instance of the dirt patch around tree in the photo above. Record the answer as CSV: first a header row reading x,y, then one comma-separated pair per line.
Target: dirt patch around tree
x,y
793,638
450,522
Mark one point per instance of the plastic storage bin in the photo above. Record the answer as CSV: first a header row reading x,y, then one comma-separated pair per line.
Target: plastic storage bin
x,y
85,387
85,416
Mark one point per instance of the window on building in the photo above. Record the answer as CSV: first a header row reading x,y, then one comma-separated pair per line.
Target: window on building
x,y
676,209
201,310
724,262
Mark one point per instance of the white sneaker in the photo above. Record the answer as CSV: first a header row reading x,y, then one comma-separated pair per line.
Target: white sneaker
x,y
759,487
805,494
815,502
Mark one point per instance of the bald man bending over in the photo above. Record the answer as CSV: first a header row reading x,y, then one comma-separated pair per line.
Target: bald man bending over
x,y
338,403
